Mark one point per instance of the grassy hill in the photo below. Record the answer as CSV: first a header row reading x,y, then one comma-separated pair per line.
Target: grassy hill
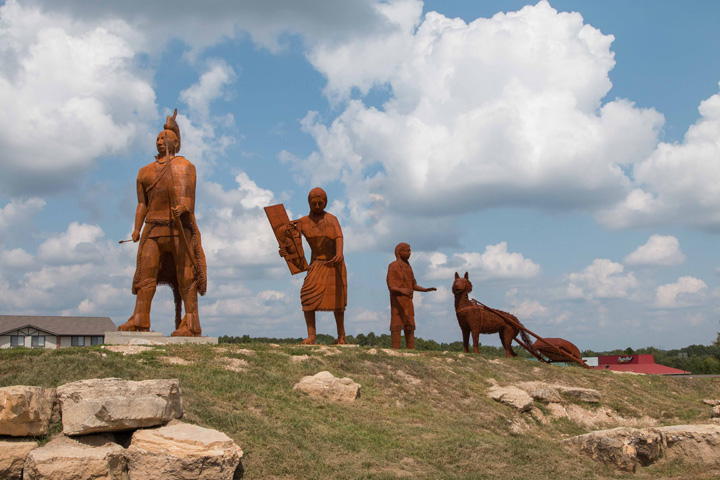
x,y
420,415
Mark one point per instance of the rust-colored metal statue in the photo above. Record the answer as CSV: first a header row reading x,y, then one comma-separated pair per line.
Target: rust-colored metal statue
x,y
477,318
401,283
557,349
325,286
288,238
170,251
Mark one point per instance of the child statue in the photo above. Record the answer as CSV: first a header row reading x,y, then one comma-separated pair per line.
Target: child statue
x,y
401,283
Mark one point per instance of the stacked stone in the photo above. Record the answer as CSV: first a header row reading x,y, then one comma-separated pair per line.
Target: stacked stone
x,y
100,418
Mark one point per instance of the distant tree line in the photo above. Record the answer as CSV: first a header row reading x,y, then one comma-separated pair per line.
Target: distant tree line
x,y
697,359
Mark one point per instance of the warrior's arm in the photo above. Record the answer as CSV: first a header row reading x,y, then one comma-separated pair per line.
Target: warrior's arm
x,y
186,201
140,212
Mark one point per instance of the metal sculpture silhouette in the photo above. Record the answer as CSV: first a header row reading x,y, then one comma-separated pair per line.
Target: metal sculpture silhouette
x,y
478,318
288,238
170,250
401,283
325,285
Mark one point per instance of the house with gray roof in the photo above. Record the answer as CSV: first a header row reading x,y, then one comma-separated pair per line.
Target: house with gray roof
x,y
53,332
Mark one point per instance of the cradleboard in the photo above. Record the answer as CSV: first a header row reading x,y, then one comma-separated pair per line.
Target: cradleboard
x,y
557,349
288,237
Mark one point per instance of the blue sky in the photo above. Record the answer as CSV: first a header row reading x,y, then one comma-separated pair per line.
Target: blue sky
x,y
565,153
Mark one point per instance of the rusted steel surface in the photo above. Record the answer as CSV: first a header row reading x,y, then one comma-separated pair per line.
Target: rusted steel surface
x,y
557,349
288,237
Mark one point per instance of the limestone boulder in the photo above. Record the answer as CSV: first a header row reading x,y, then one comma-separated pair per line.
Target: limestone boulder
x,y
716,411
511,396
541,391
583,394
182,452
13,452
25,411
112,404
692,443
625,448
622,448
92,457
326,385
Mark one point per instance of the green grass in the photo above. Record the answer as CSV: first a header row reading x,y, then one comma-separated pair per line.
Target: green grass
x,y
421,416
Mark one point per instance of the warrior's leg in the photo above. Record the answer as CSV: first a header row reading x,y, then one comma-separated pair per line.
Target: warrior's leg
x,y
312,333
340,322
149,268
395,337
190,325
409,338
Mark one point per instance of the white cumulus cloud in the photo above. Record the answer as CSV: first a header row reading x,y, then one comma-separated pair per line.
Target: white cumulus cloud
x,y
659,250
499,111
79,244
210,87
70,94
603,279
678,182
494,263
686,291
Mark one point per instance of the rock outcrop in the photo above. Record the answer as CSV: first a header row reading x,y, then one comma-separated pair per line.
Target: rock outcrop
x,y
512,396
25,411
13,453
541,391
177,450
583,394
553,393
182,452
326,385
693,443
625,448
64,458
113,404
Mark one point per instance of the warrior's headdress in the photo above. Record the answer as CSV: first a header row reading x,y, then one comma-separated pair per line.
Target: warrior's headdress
x,y
171,124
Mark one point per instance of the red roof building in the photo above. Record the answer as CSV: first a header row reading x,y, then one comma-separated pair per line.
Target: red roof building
x,y
635,363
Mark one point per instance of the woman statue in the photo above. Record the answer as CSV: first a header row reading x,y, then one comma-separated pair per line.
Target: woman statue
x,y
325,286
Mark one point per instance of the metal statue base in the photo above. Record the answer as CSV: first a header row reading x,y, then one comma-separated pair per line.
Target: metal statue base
x,y
152,338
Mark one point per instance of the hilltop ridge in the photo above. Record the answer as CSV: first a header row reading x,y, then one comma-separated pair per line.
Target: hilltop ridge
x,y
419,414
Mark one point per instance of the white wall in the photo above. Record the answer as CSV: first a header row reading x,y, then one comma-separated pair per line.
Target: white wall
x,y
51,341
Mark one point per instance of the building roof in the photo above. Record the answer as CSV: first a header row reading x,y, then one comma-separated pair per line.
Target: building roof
x,y
649,368
91,326
644,363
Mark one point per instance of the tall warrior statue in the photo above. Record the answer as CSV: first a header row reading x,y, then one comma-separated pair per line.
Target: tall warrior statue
x,y
170,250
325,286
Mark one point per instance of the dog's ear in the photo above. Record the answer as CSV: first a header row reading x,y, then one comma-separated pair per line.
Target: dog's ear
x,y
466,276
456,276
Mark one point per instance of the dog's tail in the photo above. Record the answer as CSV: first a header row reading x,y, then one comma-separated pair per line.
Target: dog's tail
x,y
528,341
